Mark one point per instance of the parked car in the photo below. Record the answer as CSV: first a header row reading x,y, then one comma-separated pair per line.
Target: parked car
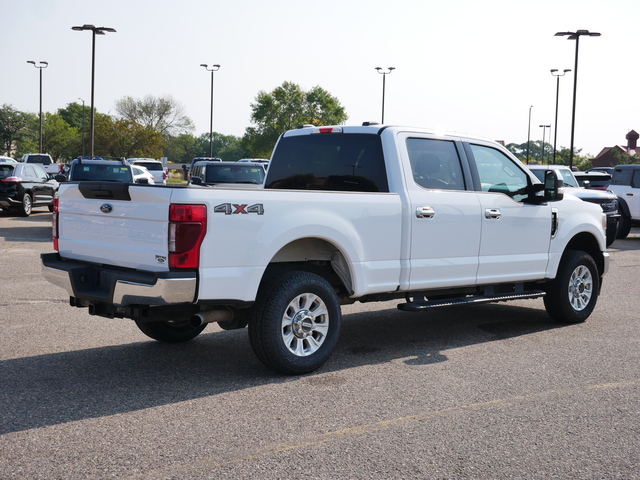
x,y
156,168
215,173
608,170
44,160
607,200
24,186
140,172
595,180
7,160
625,183
105,170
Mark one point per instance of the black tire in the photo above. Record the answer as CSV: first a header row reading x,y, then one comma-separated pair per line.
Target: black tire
x,y
624,225
170,331
24,210
572,295
295,323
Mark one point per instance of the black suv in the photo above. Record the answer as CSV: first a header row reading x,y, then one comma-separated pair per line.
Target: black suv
x,y
24,186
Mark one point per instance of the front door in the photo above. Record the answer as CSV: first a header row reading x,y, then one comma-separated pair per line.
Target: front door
x,y
515,235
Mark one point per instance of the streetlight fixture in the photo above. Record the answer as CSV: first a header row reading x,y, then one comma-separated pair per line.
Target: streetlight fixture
x,y
40,66
575,36
95,31
529,134
544,129
214,68
554,72
82,125
384,77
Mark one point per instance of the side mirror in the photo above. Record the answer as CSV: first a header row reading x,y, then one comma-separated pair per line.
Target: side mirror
x,y
196,180
60,178
553,186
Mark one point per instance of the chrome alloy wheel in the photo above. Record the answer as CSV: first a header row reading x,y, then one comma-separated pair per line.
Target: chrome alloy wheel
x,y
580,288
305,324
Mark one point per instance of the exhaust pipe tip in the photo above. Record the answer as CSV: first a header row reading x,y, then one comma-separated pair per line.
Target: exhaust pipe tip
x,y
210,316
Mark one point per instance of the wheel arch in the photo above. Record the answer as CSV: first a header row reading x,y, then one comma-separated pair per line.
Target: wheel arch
x,y
588,243
315,255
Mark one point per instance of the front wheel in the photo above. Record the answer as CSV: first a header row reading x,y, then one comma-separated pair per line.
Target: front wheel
x,y
172,331
295,323
624,225
572,295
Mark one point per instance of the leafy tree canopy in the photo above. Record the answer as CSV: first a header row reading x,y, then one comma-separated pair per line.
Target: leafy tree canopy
x,y
285,108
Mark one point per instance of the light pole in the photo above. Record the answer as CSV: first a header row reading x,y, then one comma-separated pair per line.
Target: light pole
x,y
40,66
554,72
575,36
214,68
95,31
384,77
529,134
82,125
544,129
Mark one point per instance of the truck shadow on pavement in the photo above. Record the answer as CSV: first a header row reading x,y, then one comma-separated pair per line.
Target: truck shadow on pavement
x,y
64,387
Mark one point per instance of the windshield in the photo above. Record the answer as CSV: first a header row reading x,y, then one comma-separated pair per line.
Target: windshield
x,y
234,174
566,175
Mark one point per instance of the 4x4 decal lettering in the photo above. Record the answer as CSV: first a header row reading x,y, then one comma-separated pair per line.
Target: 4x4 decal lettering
x,y
234,208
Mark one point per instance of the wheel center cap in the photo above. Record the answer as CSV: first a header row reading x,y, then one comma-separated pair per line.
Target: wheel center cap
x,y
302,324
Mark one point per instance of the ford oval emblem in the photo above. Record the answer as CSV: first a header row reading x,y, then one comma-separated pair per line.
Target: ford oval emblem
x,y
106,208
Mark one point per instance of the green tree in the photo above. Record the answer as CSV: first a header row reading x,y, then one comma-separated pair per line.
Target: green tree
x,y
124,138
59,139
14,129
623,158
285,108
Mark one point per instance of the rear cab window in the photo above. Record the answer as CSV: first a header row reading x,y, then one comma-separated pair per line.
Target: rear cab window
x,y
337,161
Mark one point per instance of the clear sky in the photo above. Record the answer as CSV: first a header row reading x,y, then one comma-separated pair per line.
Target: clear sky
x,y
469,66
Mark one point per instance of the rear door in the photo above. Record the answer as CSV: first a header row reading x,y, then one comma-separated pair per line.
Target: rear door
x,y
445,216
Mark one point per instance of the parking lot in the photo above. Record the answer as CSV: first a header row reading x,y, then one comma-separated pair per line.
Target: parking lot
x,y
481,392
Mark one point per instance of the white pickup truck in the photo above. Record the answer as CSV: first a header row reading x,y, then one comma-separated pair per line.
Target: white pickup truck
x,y
347,213
45,161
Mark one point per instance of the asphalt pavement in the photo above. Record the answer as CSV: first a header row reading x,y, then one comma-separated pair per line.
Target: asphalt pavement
x,y
495,391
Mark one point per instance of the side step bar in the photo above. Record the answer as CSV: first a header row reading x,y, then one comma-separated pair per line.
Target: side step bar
x,y
418,305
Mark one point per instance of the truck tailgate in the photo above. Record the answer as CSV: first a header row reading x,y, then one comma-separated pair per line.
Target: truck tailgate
x,y
111,223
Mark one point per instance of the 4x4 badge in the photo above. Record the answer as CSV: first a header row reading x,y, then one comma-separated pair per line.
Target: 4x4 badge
x,y
106,208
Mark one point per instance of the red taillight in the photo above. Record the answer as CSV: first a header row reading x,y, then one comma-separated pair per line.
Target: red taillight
x,y
60,168
54,224
187,228
11,179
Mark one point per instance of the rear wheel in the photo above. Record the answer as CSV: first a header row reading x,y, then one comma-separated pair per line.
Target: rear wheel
x,y
170,331
24,210
295,323
572,295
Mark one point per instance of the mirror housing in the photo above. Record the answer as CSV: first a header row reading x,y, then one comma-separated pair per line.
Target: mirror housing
x,y
196,180
553,186
60,177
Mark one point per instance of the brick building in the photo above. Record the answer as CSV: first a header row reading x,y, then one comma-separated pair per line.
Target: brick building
x,y
606,158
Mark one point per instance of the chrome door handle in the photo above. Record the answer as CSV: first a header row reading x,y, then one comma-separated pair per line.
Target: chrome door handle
x,y
425,212
492,213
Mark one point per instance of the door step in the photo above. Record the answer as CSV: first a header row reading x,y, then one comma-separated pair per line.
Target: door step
x,y
424,304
